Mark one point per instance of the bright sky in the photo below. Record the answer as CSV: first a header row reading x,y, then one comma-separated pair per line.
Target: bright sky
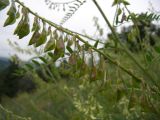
x,y
82,19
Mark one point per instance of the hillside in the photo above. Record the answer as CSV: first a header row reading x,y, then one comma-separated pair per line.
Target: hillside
x,y
4,62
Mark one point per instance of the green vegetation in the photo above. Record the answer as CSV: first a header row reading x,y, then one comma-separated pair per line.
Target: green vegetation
x,y
3,63
75,80
12,82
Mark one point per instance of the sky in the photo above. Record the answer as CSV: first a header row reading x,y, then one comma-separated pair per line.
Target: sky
x,y
81,20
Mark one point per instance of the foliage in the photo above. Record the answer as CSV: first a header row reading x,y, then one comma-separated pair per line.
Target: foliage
x,y
14,81
107,83
146,36
4,4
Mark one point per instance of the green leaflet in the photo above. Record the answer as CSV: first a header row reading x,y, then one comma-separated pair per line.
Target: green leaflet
x,y
36,62
60,44
34,38
119,11
125,2
70,42
50,44
57,54
3,4
60,47
11,15
23,28
43,37
115,2
36,25
69,49
51,55
17,14
29,66
43,59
